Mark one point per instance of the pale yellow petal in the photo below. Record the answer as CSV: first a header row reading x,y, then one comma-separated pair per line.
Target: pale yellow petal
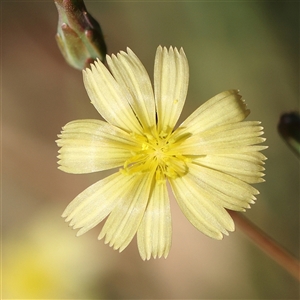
x,y
110,99
123,222
229,138
206,215
225,189
253,157
211,189
171,78
154,233
224,108
95,203
93,145
130,73
239,166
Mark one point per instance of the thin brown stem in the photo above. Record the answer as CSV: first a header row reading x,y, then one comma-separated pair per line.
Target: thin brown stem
x,y
267,244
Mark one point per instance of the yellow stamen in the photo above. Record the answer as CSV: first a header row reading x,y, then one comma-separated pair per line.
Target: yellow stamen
x,y
158,152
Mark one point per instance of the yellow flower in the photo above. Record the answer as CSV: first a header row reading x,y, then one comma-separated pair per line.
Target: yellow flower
x,y
209,160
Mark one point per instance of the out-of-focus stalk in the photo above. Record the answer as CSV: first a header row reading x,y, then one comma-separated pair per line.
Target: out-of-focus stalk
x,y
79,35
268,245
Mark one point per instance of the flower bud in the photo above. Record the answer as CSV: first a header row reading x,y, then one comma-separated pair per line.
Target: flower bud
x,y
289,129
79,35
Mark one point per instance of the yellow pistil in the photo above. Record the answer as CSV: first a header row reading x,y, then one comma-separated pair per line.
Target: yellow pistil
x,y
157,153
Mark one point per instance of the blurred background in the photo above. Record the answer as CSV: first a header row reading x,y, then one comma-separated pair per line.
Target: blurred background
x,y
251,46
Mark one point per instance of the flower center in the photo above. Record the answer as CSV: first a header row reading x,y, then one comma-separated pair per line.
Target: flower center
x,y
158,154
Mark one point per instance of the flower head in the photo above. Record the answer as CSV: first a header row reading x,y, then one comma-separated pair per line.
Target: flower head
x,y
209,161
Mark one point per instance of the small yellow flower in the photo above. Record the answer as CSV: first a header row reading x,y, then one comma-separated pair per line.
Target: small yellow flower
x,y
209,160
